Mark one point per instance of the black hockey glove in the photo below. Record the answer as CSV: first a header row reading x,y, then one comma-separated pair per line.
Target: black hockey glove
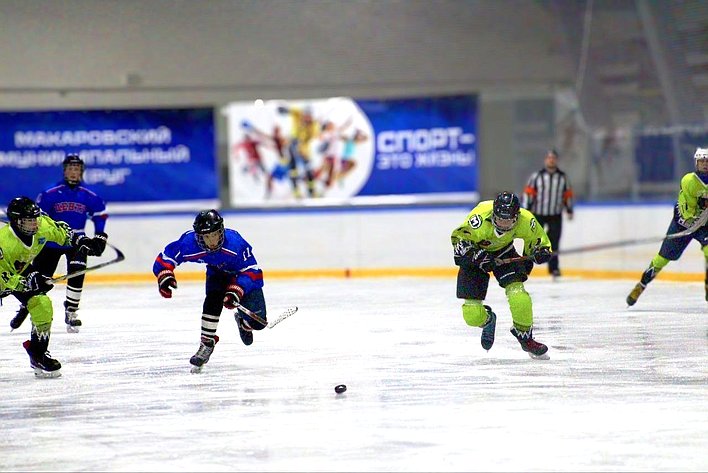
x,y
702,203
166,281
82,243
38,282
541,255
99,243
233,296
483,260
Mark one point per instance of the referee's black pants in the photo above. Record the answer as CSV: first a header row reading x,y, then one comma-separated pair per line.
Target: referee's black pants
x,y
553,224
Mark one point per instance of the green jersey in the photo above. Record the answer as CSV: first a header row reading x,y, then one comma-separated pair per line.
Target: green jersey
x,y
15,256
477,231
692,190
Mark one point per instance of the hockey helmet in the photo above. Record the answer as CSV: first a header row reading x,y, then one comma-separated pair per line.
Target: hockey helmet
x,y
69,166
209,224
505,211
23,214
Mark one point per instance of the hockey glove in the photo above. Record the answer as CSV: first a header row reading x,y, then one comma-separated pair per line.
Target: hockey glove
x,y
483,260
166,282
233,296
541,255
82,243
98,243
38,282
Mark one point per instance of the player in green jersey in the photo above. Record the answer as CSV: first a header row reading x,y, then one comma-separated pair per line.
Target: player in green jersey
x,y
690,207
487,235
20,242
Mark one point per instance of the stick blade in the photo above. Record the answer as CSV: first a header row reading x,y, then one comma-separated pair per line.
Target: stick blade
x,y
286,313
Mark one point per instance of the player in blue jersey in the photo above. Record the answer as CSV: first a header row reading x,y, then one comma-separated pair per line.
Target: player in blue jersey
x,y
71,202
233,278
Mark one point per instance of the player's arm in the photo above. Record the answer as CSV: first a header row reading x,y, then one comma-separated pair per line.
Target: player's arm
x,y
164,265
692,203
467,252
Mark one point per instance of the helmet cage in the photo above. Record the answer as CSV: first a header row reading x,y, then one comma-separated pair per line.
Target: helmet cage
x,y
23,214
504,224
207,223
505,211
701,160
28,226
70,162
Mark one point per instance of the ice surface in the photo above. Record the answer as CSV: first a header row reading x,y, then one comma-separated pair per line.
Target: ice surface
x,y
626,389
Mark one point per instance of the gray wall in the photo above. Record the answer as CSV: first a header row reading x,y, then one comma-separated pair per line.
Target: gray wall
x,y
83,54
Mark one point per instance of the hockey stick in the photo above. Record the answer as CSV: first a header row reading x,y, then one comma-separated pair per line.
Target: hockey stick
x,y
698,223
119,257
286,313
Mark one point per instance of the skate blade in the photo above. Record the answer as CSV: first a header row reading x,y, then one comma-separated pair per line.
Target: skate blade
x,y
72,329
196,369
539,357
40,373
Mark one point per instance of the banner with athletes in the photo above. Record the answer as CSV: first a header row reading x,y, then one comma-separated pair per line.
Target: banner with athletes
x,y
346,151
135,159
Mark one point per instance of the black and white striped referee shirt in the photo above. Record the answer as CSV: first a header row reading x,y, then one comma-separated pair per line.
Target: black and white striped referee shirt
x,y
548,193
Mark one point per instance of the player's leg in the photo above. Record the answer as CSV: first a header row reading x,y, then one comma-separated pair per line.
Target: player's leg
x,y
46,263
472,285
512,277
671,250
255,302
41,314
76,261
211,312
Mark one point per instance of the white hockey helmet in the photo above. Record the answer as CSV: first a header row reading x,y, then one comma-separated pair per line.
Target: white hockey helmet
x,y
701,153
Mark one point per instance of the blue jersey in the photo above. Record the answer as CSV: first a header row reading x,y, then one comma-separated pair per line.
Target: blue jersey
x,y
235,258
73,206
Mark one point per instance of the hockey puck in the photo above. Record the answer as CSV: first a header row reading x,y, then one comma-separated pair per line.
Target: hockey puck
x,y
340,388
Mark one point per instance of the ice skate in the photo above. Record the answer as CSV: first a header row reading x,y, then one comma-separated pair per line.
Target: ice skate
x,y
72,321
19,318
201,357
489,329
636,292
536,350
44,366
244,330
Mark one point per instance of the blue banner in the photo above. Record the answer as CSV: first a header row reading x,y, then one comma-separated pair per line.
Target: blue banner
x,y
425,145
131,156
347,151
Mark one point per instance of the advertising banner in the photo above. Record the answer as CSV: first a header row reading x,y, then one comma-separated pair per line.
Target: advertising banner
x,y
346,151
135,159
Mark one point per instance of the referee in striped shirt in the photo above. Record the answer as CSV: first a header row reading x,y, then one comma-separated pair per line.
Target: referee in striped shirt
x,y
546,194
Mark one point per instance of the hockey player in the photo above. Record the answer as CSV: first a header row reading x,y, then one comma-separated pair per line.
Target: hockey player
x,y
690,206
233,278
487,235
20,242
71,202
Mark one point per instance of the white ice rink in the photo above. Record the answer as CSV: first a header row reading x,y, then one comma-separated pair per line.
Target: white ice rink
x,y
624,390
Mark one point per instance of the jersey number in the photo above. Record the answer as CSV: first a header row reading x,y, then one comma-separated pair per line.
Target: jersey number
x,y
475,221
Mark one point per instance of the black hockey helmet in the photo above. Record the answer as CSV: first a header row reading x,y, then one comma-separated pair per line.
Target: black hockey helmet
x,y
70,159
505,211
23,214
206,222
